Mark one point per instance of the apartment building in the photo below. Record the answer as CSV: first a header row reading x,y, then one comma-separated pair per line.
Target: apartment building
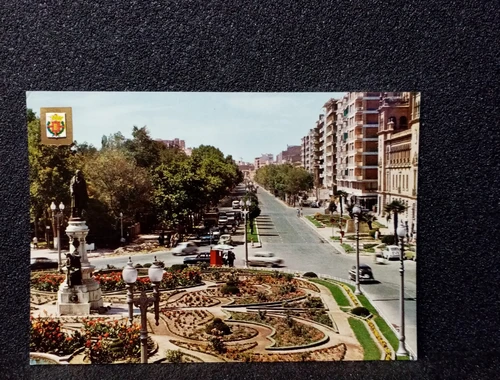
x,y
398,153
330,145
307,151
357,147
292,155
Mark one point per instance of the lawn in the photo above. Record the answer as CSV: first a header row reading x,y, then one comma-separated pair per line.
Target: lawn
x,y
252,237
337,293
314,221
370,348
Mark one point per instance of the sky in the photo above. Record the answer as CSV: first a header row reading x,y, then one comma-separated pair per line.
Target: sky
x,y
244,125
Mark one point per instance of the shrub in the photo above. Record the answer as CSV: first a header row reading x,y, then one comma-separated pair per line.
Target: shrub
x,y
370,250
138,265
262,314
368,246
289,277
310,275
218,344
388,239
360,311
173,356
347,247
313,302
372,232
262,296
217,327
147,265
229,289
317,216
287,288
178,267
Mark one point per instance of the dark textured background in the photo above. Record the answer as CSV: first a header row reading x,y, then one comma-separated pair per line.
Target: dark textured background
x,y
447,50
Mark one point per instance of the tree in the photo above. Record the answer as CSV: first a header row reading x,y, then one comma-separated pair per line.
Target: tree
x,y
120,185
395,208
342,195
146,151
50,170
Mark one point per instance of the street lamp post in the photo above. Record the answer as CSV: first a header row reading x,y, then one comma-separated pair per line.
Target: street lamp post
x,y
356,210
122,240
58,215
245,207
129,275
402,351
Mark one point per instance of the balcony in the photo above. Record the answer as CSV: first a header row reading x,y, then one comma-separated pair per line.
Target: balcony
x,y
358,164
359,177
359,109
359,136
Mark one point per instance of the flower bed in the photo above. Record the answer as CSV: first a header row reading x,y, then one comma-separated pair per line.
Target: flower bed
x,y
113,281
289,332
194,299
48,282
229,352
47,335
110,341
381,341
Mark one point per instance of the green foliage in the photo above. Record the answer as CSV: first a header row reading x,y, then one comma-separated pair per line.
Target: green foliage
x,y
313,302
284,179
336,291
347,247
173,356
370,348
177,267
287,288
310,274
229,289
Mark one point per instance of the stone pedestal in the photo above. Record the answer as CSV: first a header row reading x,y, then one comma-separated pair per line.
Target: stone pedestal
x,y
88,295
73,301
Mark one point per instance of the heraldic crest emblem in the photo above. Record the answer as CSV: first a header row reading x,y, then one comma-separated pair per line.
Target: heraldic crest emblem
x,y
56,125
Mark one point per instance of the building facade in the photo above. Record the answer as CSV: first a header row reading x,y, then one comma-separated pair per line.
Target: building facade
x,y
357,147
330,145
398,135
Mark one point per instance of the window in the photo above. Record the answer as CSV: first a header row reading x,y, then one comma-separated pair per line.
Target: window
x,y
392,119
403,122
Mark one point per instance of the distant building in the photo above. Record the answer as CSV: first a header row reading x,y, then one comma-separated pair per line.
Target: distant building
x,y
175,143
246,168
292,155
263,160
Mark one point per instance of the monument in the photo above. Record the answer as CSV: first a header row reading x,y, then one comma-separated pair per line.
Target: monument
x,y
80,293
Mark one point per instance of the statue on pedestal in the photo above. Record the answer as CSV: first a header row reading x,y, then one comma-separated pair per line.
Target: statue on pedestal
x,y
79,195
74,270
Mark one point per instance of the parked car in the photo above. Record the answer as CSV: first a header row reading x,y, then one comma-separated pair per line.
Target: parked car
x,y
231,220
225,239
222,220
365,273
203,257
267,259
236,204
391,252
43,263
185,248
206,239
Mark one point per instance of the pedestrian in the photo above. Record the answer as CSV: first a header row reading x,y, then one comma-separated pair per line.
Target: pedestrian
x,y
301,214
298,213
161,239
376,235
35,243
230,258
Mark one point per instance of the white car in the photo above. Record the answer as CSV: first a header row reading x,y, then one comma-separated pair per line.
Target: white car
x,y
391,252
185,248
236,204
267,259
222,220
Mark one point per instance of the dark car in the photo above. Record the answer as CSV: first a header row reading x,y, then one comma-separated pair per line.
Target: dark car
x,y
43,263
365,273
203,257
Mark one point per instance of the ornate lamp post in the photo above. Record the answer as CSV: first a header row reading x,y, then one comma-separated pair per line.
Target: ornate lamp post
x,y
402,351
58,216
245,207
356,211
129,275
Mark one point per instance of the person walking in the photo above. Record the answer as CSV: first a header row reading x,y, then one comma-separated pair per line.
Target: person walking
x,y
35,243
230,258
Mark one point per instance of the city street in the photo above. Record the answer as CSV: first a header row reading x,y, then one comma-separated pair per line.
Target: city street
x,y
302,248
